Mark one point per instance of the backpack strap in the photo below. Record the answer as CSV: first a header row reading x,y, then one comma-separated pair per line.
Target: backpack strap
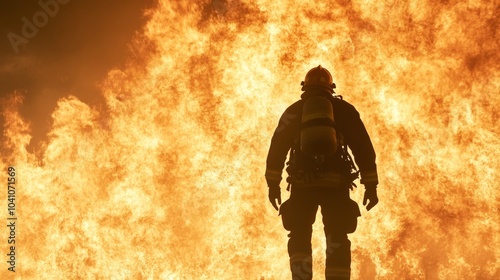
x,y
346,157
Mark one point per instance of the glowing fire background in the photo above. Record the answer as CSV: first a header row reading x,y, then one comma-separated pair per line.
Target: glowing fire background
x,y
157,172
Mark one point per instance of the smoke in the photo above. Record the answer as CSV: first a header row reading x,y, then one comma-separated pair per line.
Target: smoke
x,y
51,49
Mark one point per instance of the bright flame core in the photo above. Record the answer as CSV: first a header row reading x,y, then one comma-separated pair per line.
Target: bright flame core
x,y
169,182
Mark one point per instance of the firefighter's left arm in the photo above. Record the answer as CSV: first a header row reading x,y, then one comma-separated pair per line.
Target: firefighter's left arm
x,y
281,143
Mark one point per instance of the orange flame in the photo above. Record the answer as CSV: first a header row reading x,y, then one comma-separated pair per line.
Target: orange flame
x,y
168,182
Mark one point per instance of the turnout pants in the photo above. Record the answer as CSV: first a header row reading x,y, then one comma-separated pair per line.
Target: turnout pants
x,y
340,215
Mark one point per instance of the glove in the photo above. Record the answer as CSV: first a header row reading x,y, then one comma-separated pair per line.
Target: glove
x,y
371,196
275,194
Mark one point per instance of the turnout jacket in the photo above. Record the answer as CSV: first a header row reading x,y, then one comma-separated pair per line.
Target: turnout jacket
x,y
347,122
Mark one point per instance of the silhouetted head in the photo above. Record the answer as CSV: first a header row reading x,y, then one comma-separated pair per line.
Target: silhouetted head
x,y
318,78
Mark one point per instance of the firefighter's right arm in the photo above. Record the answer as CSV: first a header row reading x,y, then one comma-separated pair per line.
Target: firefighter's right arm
x,y
361,146
365,157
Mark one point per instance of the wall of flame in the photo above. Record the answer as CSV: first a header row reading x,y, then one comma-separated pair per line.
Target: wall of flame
x,y
167,181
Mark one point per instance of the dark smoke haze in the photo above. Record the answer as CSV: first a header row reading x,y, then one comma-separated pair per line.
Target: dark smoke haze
x,y
69,54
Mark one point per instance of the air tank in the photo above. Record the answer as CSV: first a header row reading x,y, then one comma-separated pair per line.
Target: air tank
x,y
318,137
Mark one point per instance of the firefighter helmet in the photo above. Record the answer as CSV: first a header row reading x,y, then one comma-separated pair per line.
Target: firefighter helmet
x,y
318,77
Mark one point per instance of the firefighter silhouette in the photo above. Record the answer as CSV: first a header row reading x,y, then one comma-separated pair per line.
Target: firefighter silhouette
x,y
316,132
